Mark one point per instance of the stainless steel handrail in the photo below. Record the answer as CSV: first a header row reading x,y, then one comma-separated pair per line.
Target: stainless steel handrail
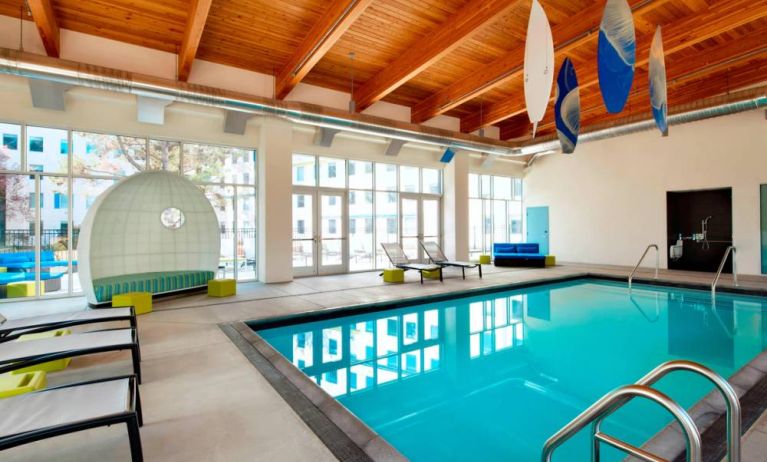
x,y
657,262
612,401
733,250
609,404
641,310
725,389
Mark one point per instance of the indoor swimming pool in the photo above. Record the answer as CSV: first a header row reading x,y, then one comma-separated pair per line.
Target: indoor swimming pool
x,y
492,376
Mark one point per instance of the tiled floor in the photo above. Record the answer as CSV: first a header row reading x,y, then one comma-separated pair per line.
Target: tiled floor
x,y
203,401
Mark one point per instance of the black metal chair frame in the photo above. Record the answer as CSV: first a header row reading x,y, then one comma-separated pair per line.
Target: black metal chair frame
x,y
407,266
7,335
452,263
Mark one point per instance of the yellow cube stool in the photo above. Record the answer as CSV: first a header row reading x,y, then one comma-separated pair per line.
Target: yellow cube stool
x,y
222,287
50,366
394,275
140,301
22,289
19,383
485,259
551,260
431,274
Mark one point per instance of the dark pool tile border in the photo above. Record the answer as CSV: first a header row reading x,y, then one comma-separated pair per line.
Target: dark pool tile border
x,y
347,437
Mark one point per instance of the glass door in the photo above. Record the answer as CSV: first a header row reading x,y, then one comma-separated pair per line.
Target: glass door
x,y
332,235
319,232
431,218
410,225
304,258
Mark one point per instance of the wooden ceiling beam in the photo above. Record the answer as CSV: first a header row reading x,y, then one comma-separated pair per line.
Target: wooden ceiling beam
x,y
717,19
581,30
198,16
47,25
448,36
335,21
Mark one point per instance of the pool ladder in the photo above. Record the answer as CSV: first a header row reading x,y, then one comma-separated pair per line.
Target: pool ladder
x,y
641,259
614,400
730,250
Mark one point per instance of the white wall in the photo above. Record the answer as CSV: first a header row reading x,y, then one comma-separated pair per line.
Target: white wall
x,y
607,202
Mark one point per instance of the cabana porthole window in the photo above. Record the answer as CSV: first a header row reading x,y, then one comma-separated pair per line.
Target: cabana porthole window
x,y
495,212
50,177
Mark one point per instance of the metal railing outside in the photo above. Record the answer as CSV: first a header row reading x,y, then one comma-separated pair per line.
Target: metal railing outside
x,y
641,259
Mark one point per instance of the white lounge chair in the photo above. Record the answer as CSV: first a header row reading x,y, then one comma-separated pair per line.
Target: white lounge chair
x,y
398,259
11,329
435,254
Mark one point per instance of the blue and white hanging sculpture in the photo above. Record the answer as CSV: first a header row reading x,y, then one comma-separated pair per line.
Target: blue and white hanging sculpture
x,y
658,92
616,54
567,109
539,64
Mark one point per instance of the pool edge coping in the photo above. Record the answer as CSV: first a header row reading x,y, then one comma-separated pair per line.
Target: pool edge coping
x,y
317,408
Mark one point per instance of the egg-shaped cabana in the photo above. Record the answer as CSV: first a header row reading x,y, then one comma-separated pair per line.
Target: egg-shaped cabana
x,y
151,232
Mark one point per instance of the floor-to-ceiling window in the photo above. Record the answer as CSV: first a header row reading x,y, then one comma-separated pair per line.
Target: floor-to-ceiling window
x,y
495,212
379,203
50,177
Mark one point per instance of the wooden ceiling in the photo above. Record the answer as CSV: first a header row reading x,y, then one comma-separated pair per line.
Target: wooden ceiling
x,y
462,58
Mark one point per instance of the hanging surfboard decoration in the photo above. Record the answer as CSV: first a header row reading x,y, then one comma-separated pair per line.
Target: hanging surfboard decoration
x,y
539,65
658,91
616,54
567,109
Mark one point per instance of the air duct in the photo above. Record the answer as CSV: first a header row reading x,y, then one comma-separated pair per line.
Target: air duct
x,y
742,101
33,66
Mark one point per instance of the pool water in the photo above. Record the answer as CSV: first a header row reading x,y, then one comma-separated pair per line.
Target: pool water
x,y
491,377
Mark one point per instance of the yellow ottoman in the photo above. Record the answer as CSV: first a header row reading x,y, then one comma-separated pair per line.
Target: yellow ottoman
x,y
222,287
431,274
394,275
140,301
485,259
50,366
22,289
551,260
19,383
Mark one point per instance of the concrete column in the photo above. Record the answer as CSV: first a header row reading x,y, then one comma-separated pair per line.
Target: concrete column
x,y
456,207
275,245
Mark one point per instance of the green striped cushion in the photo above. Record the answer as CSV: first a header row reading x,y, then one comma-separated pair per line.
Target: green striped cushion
x,y
155,283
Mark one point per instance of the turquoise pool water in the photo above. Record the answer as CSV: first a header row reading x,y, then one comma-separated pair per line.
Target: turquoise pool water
x,y
491,377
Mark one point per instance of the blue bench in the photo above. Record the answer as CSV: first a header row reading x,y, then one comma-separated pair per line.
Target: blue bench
x,y
25,261
506,254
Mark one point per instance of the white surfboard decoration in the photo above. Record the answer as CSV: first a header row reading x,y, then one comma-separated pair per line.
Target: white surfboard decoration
x,y
539,65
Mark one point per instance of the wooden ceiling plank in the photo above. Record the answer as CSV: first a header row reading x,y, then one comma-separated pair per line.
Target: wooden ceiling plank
x,y
336,20
579,31
47,25
448,36
718,19
198,16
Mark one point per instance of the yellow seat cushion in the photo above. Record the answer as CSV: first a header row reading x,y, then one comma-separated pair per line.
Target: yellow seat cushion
x,y
140,301
551,260
222,287
431,274
18,383
485,259
22,289
394,275
50,366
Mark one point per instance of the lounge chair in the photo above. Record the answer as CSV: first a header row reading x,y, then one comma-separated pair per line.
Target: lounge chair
x,y
398,259
435,254
11,329
17,355
72,408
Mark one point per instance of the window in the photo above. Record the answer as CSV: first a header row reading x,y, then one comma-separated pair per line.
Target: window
x,y
300,173
409,180
60,201
332,226
495,212
33,203
391,225
332,173
352,197
303,170
164,155
300,201
64,147
36,144
10,141
331,200
353,226
300,227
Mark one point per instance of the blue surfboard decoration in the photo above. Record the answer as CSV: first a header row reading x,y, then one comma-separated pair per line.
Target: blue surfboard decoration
x,y
658,90
567,109
616,54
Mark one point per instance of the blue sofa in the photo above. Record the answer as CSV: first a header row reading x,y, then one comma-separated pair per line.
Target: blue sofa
x,y
25,261
518,255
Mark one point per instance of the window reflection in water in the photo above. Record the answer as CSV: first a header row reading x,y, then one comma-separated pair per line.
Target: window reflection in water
x,y
495,325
